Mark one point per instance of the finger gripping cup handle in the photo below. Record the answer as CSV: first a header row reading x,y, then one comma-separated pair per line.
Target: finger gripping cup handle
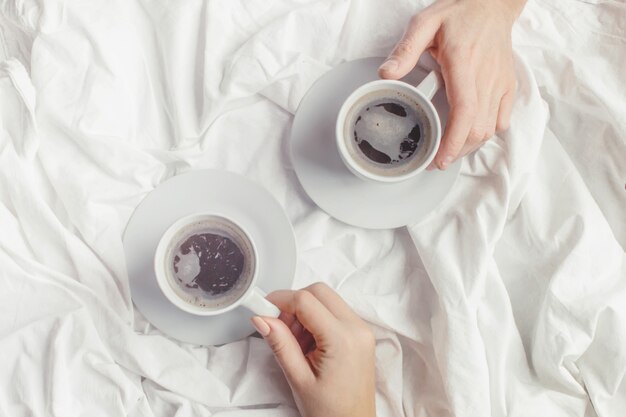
x,y
258,304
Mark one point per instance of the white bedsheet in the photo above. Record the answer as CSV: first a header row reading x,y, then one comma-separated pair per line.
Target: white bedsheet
x,y
510,300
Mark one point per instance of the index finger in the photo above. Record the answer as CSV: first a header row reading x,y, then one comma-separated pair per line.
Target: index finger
x,y
309,311
462,97
417,37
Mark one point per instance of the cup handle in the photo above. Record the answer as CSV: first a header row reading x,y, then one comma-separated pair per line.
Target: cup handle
x,y
256,302
430,84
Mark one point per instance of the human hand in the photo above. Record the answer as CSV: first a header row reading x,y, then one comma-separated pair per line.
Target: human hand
x,y
325,350
471,41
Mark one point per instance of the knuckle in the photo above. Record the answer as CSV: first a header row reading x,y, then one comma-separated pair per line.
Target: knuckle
x,y
502,125
318,287
302,298
404,47
476,135
418,20
466,105
277,346
454,143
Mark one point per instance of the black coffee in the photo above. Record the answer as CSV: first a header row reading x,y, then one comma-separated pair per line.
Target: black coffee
x,y
211,263
219,262
387,131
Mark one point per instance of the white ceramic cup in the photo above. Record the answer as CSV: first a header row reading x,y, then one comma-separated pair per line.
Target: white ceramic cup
x,y
422,95
253,298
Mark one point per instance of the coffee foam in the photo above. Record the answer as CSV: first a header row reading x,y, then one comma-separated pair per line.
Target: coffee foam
x,y
188,265
387,131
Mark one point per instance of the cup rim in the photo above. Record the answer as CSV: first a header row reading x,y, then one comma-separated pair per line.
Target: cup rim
x,y
163,282
350,163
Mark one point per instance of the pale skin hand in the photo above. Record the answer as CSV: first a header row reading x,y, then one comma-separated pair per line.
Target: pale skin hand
x,y
471,41
325,351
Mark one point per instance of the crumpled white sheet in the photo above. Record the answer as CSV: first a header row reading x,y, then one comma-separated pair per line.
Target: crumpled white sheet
x,y
509,300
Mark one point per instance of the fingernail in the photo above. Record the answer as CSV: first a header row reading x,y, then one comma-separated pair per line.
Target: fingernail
x,y
446,162
261,326
389,65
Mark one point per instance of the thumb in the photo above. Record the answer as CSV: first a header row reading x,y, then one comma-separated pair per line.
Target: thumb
x,y
418,36
286,349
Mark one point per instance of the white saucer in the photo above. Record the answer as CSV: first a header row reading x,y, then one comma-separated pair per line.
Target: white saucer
x,y
248,204
327,180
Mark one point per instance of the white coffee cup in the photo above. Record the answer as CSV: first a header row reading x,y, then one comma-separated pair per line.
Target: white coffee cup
x,y
251,297
421,95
